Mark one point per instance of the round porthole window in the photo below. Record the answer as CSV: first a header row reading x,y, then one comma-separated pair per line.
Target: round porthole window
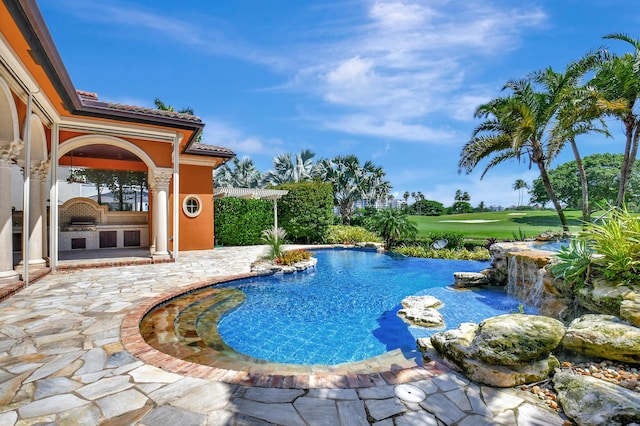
x,y
192,205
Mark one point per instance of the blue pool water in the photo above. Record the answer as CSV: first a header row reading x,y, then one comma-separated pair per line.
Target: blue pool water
x,y
345,309
549,245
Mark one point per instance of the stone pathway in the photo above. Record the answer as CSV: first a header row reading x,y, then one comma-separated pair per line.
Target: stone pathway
x,y
62,362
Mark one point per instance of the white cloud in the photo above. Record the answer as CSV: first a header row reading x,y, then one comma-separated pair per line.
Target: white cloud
x,y
406,60
222,134
388,129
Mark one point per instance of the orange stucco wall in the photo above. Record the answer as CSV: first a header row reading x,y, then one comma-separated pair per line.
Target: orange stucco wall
x,y
196,233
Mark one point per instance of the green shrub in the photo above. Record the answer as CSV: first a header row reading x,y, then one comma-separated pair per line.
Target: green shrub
x,y
343,234
293,256
240,222
306,212
455,240
479,253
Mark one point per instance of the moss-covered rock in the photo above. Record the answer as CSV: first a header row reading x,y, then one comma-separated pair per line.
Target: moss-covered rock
x,y
459,347
514,339
602,296
603,336
590,401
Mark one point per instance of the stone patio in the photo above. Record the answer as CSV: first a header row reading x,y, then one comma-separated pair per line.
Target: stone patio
x,y
63,361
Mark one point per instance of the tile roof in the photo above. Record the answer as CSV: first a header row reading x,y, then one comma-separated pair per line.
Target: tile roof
x,y
91,99
205,149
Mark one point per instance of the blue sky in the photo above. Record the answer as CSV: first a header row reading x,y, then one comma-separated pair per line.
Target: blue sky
x,y
395,82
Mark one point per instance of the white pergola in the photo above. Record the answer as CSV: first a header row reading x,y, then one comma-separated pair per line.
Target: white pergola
x,y
253,193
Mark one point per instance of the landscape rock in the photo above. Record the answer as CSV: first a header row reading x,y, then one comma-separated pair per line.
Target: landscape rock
x,y
421,302
420,310
630,309
603,336
513,339
470,279
602,296
463,348
267,267
590,401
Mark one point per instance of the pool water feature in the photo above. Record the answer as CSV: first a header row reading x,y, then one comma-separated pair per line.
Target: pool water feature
x,y
346,309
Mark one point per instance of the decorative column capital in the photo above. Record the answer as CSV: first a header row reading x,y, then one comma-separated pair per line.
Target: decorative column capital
x,y
38,169
9,151
160,179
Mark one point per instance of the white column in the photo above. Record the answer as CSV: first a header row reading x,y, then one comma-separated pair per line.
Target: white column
x,y
7,274
53,197
161,180
38,175
43,205
176,195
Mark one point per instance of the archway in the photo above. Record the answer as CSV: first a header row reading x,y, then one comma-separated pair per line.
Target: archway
x,y
9,148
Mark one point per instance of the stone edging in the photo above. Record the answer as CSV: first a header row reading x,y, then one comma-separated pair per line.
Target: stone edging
x,y
133,342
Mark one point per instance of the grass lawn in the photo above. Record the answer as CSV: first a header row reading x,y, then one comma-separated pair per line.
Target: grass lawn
x,y
499,225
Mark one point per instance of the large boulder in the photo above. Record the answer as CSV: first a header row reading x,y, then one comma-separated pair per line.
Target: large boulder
x,y
590,401
513,360
514,339
603,336
421,311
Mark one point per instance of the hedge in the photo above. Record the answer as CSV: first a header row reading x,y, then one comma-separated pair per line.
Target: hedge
x,y
240,222
306,212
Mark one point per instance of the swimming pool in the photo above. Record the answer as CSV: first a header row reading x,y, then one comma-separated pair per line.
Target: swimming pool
x,y
345,310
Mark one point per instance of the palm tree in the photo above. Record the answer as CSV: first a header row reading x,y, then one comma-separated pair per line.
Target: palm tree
x,y
515,126
618,80
291,168
352,182
243,175
406,200
519,185
579,112
392,224
165,107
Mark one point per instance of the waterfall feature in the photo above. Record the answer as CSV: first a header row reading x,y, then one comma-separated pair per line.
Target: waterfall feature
x,y
525,280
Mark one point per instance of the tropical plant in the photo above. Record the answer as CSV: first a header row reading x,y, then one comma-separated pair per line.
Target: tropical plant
x,y
352,182
243,174
572,263
274,238
618,83
343,234
293,256
392,224
289,168
516,126
617,240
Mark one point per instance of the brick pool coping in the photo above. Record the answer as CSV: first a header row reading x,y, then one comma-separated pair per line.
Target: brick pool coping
x,y
133,342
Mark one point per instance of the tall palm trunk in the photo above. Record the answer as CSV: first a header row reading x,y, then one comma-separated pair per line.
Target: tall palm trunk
x,y
586,208
632,132
537,157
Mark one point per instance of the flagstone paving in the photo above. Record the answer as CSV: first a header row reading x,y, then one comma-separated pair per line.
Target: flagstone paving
x,y
62,361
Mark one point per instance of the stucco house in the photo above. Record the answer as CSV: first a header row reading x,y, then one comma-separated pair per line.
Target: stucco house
x,y
46,123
